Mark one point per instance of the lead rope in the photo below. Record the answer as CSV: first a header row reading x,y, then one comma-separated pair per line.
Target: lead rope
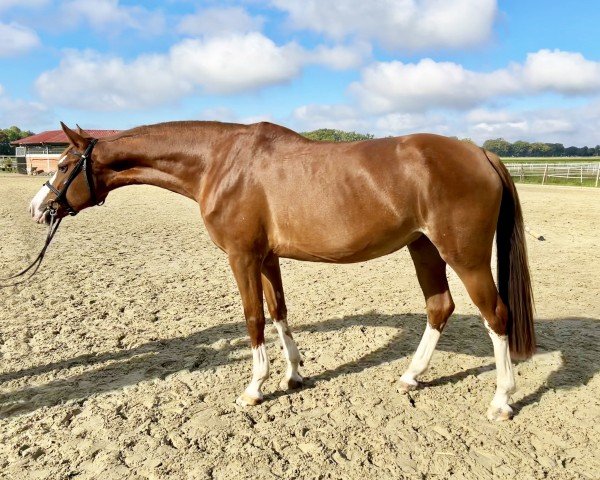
x,y
52,228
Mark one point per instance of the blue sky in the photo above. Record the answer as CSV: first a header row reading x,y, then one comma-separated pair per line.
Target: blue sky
x,y
473,68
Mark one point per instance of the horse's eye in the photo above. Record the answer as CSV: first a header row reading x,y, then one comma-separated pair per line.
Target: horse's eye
x,y
63,168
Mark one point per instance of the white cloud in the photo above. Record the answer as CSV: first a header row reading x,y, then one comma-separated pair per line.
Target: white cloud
x,y
397,24
346,117
255,119
235,63
6,4
396,86
88,80
16,39
578,125
339,57
571,126
427,85
402,123
220,114
23,113
111,17
312,117
482,115
219,65
226,114
535,125
567,72
219,21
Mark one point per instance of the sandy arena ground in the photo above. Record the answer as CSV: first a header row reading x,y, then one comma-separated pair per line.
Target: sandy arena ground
x,y
122,360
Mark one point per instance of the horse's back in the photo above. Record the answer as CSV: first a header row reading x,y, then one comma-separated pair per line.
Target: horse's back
x,y
360,200
345,202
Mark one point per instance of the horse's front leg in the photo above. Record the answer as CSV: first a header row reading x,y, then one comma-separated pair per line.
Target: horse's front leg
x,y
246,269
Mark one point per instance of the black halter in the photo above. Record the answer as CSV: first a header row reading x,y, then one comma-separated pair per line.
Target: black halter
x,y
84,163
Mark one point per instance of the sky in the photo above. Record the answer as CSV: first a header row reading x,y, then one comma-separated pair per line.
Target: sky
x,y
480,69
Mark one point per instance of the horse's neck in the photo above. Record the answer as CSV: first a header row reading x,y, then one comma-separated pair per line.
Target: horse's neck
x,y
162,159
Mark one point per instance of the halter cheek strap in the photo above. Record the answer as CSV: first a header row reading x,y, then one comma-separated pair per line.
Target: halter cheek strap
x,y
85,164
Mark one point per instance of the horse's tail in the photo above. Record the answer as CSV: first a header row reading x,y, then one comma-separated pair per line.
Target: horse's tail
x,y
514,282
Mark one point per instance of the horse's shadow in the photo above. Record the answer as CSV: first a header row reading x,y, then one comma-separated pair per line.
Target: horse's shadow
x,y
577,340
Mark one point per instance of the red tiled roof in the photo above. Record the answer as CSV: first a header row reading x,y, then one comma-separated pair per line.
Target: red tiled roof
x,y
59,137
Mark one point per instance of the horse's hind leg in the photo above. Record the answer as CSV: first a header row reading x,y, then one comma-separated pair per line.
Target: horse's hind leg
x,y
482,290
273,289
431,273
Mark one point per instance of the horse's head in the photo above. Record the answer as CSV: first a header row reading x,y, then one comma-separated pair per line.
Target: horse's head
x,y
74,186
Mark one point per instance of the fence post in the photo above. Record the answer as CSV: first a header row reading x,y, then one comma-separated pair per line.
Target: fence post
x,y
597,173
545,173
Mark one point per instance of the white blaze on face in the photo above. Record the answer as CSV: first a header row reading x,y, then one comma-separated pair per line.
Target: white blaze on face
x,y
38,203
37,206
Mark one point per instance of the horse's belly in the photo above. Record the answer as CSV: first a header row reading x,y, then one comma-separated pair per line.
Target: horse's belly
x,y
338,247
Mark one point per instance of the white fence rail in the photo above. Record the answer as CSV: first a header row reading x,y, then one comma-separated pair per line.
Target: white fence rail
x,y
566,171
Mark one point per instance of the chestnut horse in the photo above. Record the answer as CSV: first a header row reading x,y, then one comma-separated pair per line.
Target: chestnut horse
x,y
266,192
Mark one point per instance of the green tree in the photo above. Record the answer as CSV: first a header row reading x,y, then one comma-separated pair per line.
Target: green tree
x,y
557,149
538,149
571,151
521,149
332,135
11,134
466,139
499,146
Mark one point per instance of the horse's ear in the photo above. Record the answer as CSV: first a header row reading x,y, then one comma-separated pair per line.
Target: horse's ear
x,y
77,140
82,132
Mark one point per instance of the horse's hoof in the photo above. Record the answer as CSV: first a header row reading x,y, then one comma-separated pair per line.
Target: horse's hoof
x,y
499,414
291,383
405,387
245,400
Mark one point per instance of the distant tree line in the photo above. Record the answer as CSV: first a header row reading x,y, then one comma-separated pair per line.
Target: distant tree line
x,y
11,134
499,146
504,148
331,135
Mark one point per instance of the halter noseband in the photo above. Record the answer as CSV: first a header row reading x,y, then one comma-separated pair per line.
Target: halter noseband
x,y
84,163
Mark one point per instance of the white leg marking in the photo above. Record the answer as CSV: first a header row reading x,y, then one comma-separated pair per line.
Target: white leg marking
x,y
37,205
260,372
422,356
292,356
505,383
